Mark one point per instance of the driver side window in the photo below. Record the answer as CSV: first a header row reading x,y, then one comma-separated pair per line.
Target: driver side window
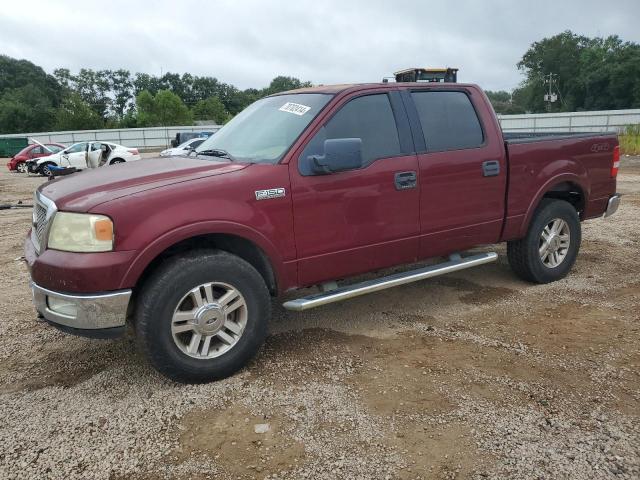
x,y
369,118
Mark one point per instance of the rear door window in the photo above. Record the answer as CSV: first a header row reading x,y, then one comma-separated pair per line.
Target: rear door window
x,y
448,120
369,118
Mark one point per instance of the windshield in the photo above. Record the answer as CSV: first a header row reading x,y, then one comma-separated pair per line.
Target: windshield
x,y
264,131
194,142
75,148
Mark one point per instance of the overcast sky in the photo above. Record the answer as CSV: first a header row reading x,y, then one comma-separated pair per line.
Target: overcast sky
x,y
247,43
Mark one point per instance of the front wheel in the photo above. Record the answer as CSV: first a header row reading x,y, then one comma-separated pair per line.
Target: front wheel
x,y
202,316
46,169
550,248
21,167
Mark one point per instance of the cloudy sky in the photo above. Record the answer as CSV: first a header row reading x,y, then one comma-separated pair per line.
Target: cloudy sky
x,y
246,43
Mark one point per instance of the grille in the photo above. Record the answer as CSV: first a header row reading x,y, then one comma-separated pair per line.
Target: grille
x,y
43,211
40,222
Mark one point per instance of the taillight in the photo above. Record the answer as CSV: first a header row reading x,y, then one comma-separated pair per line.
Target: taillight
x,y
133,151
615,163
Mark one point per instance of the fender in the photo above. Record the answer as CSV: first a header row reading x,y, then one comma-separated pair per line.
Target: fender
x,y
579,178
172,237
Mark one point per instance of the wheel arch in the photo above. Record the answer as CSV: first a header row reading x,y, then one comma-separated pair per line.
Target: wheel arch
x,y
256,251
569,187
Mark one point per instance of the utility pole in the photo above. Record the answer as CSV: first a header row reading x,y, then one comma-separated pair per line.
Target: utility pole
x,y
551,80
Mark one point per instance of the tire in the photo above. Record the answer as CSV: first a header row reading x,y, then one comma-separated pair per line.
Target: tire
x,y
116,161
537,260
21,167
45,170
164,296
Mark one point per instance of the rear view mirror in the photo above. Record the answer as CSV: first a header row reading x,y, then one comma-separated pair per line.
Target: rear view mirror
x,y
340,154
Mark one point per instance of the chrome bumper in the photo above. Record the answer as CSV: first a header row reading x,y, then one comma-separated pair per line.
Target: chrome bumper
x,y
612,206
82,311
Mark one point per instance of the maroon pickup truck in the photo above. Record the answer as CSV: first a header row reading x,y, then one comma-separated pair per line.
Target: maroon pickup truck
x,y
303,188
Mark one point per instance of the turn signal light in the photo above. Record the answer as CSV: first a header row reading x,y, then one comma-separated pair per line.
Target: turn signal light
x,y
103,229
615,165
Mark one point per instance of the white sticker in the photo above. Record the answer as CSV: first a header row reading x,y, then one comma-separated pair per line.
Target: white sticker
x,y
294,108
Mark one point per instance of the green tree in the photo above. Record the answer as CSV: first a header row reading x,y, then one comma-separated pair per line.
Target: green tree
x,y
592,73
503,103
75,114
211,109
25,109
282,84
121,87
163,109
18,73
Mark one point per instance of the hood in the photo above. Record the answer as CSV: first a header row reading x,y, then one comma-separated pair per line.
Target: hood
x,y
54,157
82,191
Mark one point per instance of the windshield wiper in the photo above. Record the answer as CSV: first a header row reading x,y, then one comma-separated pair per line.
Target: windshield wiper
x,y
216,152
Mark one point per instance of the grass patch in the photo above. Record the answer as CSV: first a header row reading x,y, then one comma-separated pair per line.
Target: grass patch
x,y
630,140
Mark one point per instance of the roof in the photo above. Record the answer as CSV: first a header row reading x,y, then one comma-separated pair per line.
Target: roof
x,y
334,89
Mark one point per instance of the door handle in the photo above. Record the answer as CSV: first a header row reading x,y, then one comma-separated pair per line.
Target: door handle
x,y
490,168
405,180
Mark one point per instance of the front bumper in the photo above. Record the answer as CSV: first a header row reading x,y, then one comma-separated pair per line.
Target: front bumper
x,y
612,205
101,315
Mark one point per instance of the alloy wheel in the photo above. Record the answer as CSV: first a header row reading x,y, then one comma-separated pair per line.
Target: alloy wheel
x,y
209,320
555,240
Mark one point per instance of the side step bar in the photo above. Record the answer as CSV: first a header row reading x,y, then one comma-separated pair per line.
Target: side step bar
x,y
454,264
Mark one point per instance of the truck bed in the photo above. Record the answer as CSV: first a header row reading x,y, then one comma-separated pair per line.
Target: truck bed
x,y
528,137
539,160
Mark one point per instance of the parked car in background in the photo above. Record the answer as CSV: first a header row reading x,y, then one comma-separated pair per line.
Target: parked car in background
x,y
78,154
182,149
182,137
19,161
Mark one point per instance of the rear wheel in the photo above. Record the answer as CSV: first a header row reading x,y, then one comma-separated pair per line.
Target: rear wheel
x,y
551,245
202,316
116,160
21,167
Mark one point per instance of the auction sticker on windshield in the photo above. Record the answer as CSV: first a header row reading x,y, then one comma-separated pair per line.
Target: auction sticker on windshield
x,y
294,108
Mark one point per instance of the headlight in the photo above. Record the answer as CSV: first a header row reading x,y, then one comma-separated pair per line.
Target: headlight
x,y
81,232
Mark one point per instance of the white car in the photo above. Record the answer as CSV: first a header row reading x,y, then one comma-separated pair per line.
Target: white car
x,y
183,148
86,155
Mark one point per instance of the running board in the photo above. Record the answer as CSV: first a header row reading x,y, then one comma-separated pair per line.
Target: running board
x,y
454,264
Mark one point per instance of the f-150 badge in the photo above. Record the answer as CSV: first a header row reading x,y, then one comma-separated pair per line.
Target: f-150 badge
x,y
270,193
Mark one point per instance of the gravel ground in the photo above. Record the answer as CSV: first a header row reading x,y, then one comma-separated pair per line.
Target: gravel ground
x,y
473,375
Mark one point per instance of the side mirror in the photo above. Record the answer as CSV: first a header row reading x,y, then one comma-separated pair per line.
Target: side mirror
x,y
340,154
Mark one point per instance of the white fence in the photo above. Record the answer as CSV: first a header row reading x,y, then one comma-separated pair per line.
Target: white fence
x,y
142,138
597,121
160,137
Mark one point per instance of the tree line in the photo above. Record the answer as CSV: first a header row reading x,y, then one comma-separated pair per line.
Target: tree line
x,y
32,100
591,74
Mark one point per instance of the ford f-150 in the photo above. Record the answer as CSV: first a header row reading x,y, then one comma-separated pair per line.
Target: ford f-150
x,y
303,188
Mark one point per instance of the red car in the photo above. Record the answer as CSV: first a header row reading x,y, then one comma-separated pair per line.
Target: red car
x,y
305,188
19,161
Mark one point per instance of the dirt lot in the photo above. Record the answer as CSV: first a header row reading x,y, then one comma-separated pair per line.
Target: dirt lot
x,y
473,375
